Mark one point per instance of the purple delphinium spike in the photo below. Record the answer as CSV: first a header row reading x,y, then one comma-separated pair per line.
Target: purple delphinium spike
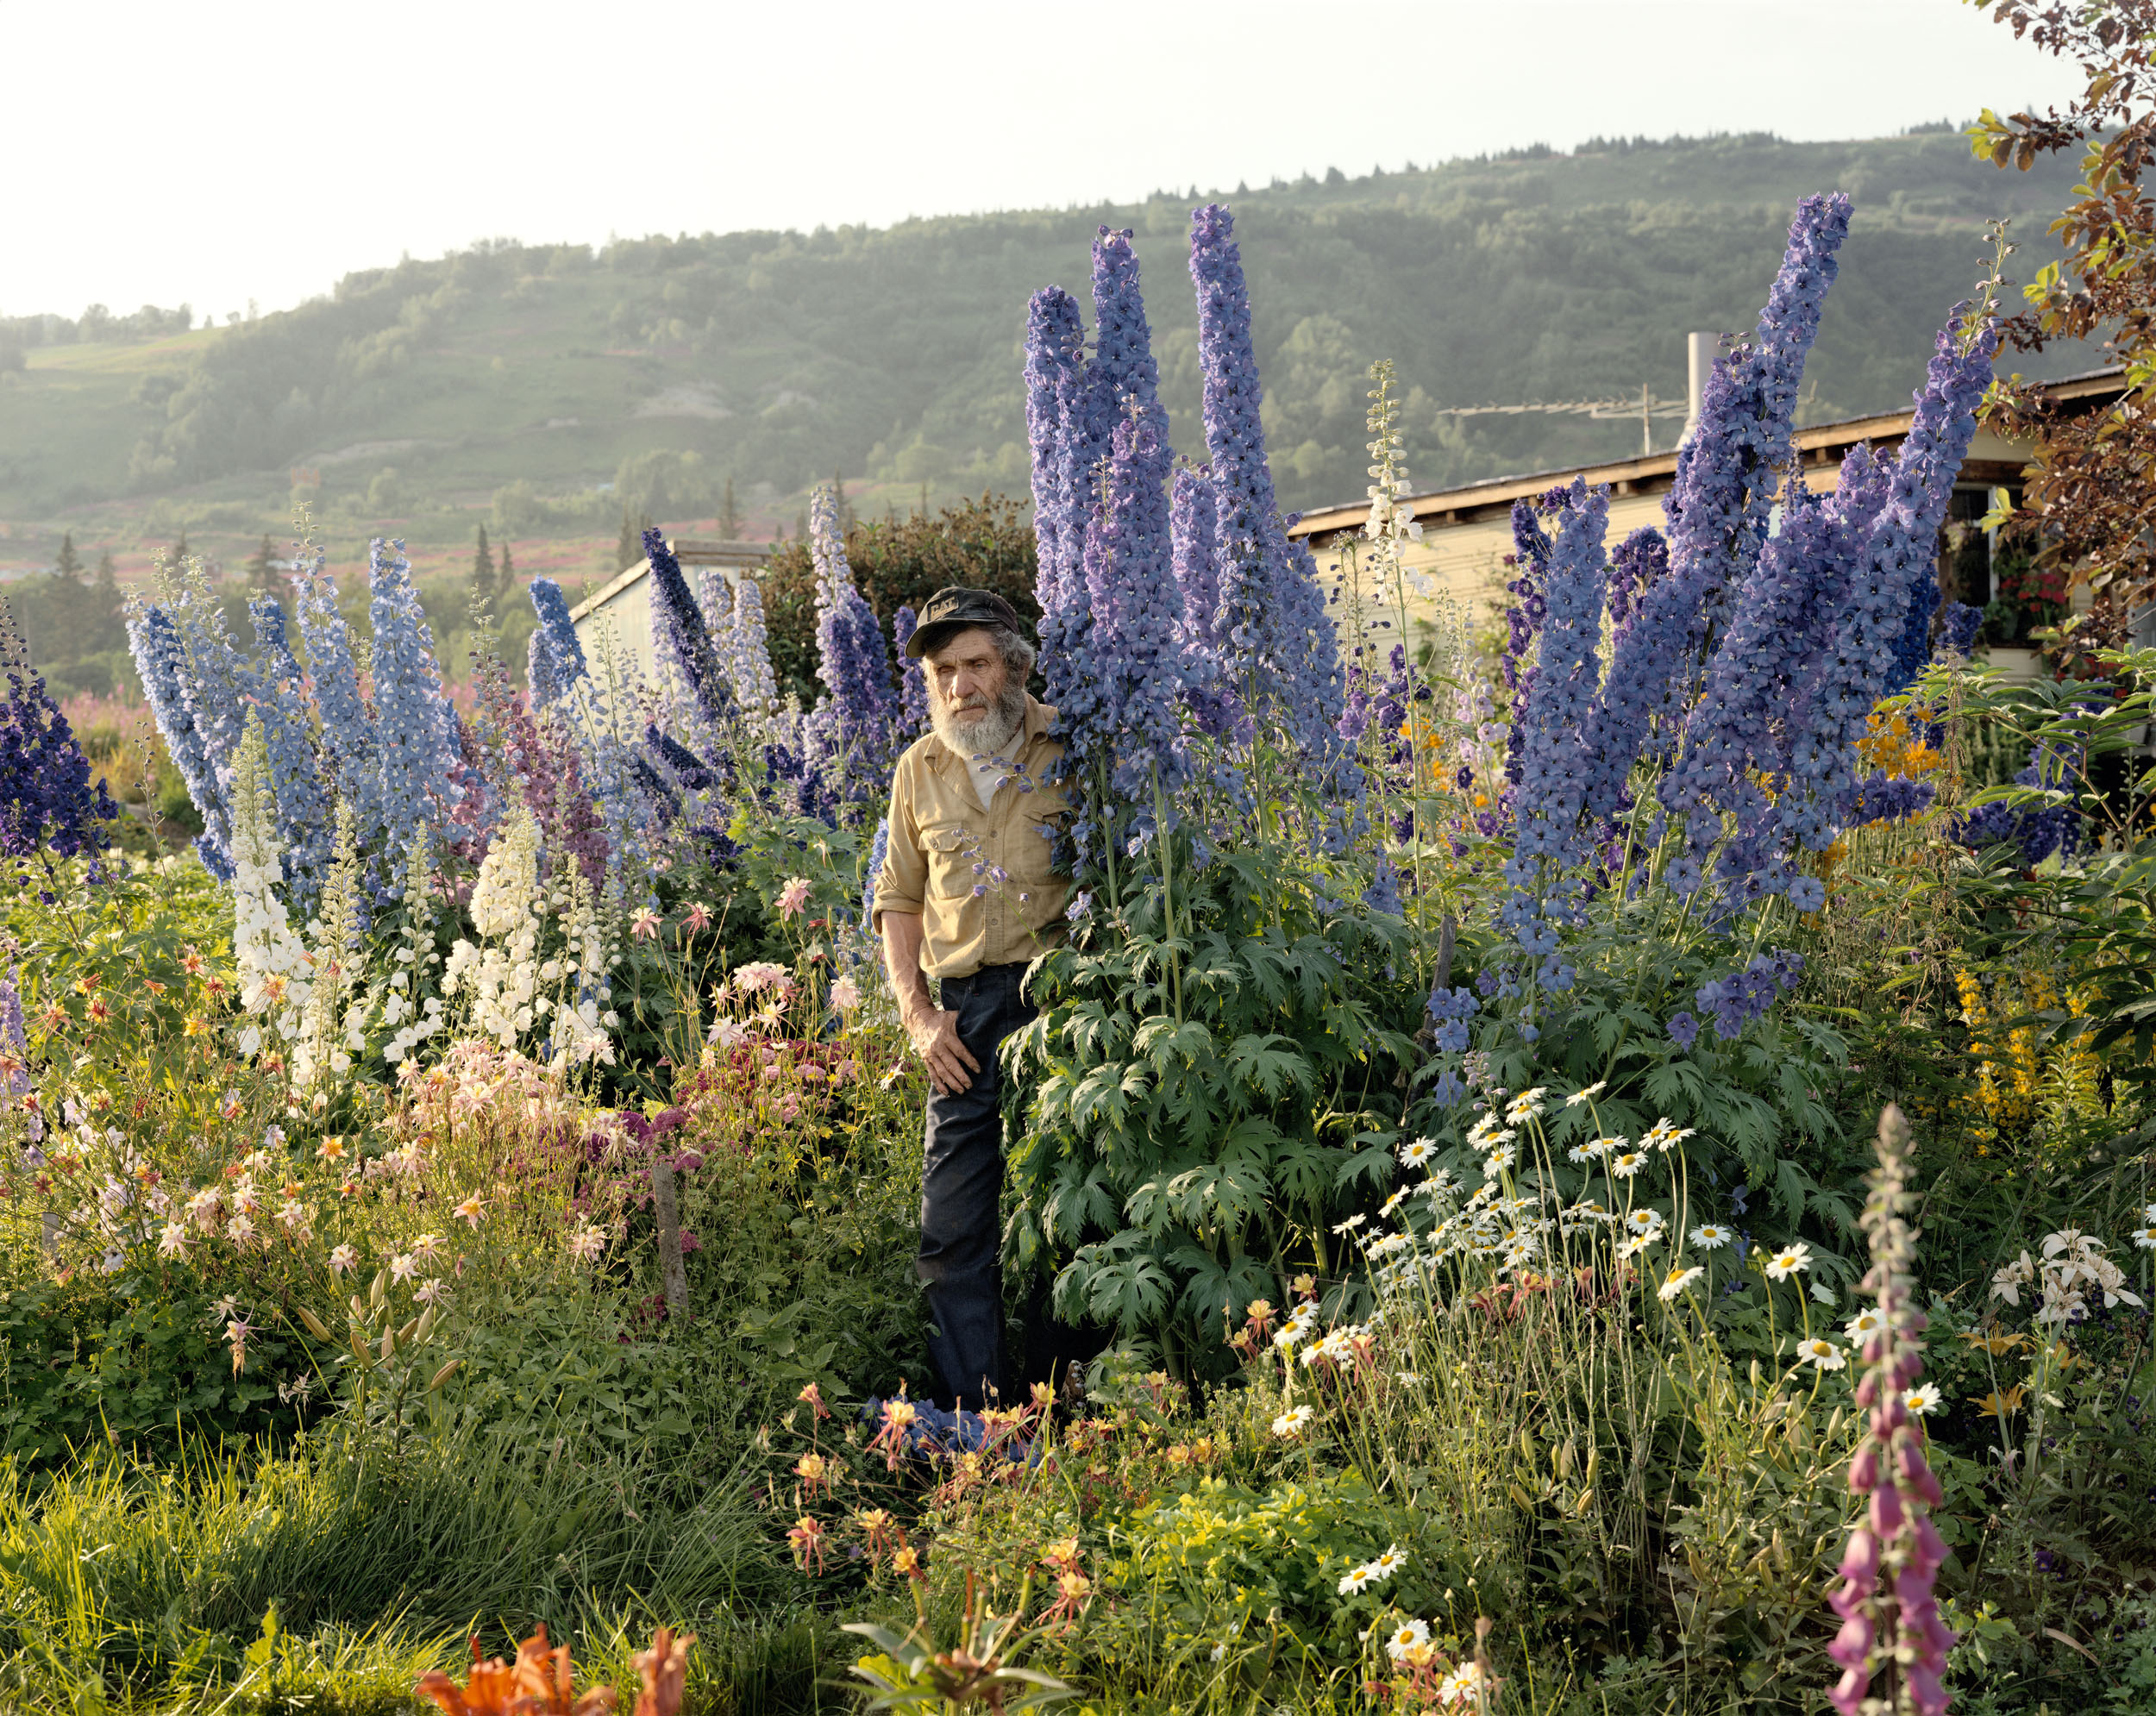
x,y
47,801
159,660
1281,650
683,640
1192,515
350,742
1133,654
1551,836
416,726
556,654
748,657
1729,471
1055,364
305,824
1718,508
1641,559
858,733
1839,699
1523,620
912,682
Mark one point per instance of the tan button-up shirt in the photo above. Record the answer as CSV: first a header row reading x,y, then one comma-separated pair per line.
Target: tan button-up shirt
x,y
980,879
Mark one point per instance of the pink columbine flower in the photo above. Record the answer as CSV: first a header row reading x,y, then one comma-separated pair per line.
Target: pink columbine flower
x,y
700,917
645,926
845,994
343,1260
403,1267
793,896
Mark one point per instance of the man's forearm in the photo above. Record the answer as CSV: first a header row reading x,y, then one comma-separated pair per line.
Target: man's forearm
x,y
902,964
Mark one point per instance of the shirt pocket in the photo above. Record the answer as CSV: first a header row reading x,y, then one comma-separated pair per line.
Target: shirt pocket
x,y
1030,854
952,853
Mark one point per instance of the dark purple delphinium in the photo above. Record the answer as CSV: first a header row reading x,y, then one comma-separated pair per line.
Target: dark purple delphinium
x,y
683,639
1133,655
1281,650
1055,387
1131,658
1523,619
47,801
1828,718
859,732
1743,996
1728,472
1731,737
1192,515
556,654
1638,561
1717,508
1913,648
1683,1030
1959,623
2039,830
913,681
1550,725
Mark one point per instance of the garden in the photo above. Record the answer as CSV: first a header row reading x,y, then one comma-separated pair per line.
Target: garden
x,y
1595,1163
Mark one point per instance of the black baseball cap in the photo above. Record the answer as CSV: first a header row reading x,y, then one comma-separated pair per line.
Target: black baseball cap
x,y
952,610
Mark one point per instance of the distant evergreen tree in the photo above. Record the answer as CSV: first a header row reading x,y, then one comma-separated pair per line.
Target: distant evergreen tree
x,y
845,509
179,549
506,585
630,548
800,526
108,583
68,567
483,570
921,511
729,514
262,571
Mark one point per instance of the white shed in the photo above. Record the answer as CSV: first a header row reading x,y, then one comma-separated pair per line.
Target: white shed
x,y
617,615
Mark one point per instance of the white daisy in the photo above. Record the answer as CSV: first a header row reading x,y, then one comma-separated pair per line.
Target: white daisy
x,y
1418,1151
1821,1353
1677,1281
1789,1261
1923,1401
1711,1236
1587,1095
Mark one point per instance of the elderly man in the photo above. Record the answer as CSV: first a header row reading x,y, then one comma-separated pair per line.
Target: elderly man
x,y
968,896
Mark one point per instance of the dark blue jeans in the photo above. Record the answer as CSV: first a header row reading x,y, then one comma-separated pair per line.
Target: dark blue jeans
x,y
961,1193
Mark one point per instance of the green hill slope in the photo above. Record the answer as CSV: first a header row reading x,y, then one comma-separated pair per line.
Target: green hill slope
x,y
542,390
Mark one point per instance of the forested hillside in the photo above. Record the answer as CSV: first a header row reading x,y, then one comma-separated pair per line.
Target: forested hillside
x,y
543,390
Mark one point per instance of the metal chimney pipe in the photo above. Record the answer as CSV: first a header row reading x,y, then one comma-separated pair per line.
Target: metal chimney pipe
x,y
1699,352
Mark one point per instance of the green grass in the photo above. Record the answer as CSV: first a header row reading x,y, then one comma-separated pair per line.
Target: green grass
x,y
338,1572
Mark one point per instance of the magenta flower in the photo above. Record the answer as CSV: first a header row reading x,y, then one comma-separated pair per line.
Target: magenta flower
x,y
1889,1607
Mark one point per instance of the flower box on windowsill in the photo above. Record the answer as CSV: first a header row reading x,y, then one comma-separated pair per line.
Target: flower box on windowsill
x,y
2019,666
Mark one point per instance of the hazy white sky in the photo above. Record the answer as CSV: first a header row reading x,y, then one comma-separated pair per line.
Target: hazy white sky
x,y
215,153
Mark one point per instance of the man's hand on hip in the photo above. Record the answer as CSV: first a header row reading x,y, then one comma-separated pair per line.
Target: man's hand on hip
x,y
950,1064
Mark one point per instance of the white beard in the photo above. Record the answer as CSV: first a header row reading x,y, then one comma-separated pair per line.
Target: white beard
x,y
988,736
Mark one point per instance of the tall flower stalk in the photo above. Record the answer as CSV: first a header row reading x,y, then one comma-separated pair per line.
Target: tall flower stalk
x,y
1891,1632
1282,650
858,720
